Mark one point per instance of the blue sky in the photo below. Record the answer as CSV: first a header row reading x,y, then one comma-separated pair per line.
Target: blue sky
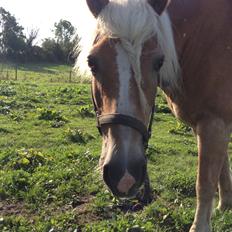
x,y
42,14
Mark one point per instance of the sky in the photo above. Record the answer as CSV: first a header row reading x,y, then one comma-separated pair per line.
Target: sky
x,y
42,14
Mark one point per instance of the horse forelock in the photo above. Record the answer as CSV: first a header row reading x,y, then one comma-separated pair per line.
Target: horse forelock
x,y
134,22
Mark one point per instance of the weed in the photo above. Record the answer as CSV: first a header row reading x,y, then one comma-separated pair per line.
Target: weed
x,y
49,115
152,151
15,223
162,108
182,184
7,90
6,106
86,111
57,124
78,136
180,128
4,131
25,159
17,116
14,183
5,110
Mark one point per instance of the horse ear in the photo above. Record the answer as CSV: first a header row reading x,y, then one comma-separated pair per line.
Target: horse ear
x,y
96,6
159,5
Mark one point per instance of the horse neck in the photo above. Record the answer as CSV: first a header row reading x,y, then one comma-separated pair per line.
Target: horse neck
x,y
202,34
197,25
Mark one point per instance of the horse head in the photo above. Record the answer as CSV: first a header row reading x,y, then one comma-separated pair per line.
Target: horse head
x,y
126,59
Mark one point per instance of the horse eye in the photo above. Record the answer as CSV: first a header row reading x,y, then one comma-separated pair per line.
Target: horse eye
x,y
158,63
92,62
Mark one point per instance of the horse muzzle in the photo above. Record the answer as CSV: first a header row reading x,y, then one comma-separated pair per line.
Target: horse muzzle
x,y
125,181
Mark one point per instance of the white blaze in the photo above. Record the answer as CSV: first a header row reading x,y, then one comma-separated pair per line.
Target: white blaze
x,y
124,73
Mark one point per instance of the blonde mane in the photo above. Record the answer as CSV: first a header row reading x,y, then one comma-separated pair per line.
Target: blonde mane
x,y
134,22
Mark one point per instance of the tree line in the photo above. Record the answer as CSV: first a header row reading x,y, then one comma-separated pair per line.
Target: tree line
x,y
16,46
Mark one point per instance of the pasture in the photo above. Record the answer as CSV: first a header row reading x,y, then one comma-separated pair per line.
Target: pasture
x,y
49,151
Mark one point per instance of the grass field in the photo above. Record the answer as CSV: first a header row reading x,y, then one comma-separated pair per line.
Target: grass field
x,y
41,72
49,179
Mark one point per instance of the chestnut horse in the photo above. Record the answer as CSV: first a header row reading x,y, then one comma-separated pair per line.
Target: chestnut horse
x,y
186,50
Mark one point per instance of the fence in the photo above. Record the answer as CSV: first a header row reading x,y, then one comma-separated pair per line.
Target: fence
x,y
38,72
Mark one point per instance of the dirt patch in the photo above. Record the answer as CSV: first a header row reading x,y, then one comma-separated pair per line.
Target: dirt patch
x,y
80,207
8,208
83,212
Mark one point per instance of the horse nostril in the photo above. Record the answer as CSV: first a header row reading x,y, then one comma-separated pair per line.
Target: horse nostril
x,y
139,170
110,175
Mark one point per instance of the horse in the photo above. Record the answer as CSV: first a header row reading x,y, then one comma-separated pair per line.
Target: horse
x,y
183,47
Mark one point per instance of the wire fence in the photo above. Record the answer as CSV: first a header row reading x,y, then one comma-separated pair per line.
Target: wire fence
x,y
38,72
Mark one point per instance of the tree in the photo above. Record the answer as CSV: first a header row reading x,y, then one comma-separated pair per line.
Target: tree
x,y
62,48
64,31
31,50
33,34
12,39
16,46
53,51
64,35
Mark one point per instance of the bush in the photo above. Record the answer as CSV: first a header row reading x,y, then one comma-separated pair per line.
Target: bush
x,y
183,184
16,116
6,90
78,136
4,131
14,183
5,110
162,108
25,159
180,129
6,106
86,111
57,124
152,152
49,115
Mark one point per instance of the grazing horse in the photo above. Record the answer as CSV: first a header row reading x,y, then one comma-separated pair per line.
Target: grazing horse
x,y
186,50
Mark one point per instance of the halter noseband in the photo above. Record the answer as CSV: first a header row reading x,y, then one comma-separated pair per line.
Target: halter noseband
x,y
125,120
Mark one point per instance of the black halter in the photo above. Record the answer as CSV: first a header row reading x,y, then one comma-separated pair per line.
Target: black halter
x,y
125,120
136,124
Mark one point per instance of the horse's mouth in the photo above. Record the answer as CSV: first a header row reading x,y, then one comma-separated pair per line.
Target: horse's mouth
x,y
132,193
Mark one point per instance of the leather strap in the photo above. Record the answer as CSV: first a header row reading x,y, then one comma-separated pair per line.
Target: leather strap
x,y
125,120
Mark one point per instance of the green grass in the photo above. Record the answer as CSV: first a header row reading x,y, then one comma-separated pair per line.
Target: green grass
x,y
49,179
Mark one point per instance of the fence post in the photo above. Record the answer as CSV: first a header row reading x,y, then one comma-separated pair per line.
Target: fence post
x,y
16,73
